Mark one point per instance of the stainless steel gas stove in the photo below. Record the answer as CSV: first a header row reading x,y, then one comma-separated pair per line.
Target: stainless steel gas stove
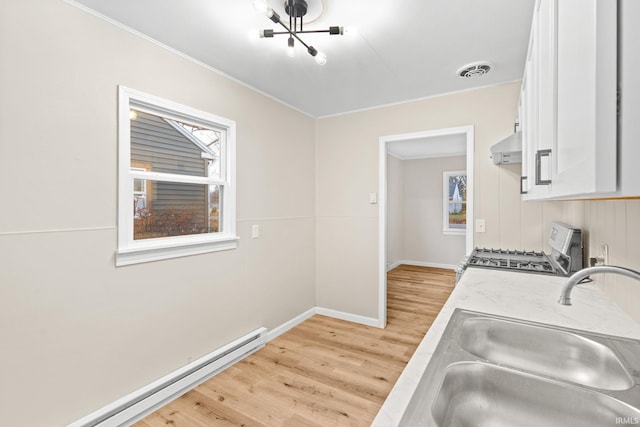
x,y
565,257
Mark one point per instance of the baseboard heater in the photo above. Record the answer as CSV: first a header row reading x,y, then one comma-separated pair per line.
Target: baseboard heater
x,y
137,405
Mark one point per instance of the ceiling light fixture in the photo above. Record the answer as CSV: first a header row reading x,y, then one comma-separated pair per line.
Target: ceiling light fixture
x,y
296,9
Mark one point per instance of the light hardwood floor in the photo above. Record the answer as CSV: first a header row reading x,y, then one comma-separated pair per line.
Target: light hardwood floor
x,y
323,372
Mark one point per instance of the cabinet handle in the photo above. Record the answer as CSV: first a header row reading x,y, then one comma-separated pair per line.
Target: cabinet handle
x,y
523,185
539,155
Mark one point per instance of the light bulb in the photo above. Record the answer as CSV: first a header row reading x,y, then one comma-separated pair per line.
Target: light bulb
x,y
350,31
133,114
254,34
321,58
290,49
261,6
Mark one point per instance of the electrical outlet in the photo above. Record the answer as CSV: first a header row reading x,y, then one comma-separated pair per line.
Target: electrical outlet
x,y
480,226
255,231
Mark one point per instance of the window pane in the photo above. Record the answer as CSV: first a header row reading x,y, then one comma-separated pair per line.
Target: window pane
x,y
169,146
215,208
138,186
176,209
458,202
458,215
211,140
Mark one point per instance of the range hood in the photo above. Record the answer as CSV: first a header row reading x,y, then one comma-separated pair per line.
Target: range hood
x,y
508,151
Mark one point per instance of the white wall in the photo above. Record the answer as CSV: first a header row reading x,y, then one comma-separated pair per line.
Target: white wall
x,y
347,171
423,239
395,210
617,224
77,332
414,212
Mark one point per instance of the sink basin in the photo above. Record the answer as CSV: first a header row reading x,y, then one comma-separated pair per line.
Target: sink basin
x,y
480,394
546,351
490,370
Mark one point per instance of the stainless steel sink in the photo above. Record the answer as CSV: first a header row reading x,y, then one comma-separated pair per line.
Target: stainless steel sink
x,y
546,351
496,371
480,394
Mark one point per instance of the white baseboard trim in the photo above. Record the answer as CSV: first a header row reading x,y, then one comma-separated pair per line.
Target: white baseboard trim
x,y
393,265
277,331
140,403
428,264
368,321
349,317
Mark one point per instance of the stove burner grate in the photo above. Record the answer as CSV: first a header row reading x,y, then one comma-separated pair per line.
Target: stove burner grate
x,y
528,261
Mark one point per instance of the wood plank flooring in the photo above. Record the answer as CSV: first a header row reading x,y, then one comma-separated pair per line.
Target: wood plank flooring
x,y
323,372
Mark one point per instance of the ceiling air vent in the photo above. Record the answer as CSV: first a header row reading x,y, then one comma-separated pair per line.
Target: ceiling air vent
x,y
476,69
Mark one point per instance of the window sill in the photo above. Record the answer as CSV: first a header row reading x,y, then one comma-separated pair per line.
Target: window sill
x,y
455,232
139,255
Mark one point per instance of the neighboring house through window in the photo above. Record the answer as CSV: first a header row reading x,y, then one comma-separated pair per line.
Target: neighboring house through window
x,y
139,194
176,180
454,190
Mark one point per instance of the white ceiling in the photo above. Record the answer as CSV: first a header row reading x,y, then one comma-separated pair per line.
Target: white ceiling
x,y
432,146
403,50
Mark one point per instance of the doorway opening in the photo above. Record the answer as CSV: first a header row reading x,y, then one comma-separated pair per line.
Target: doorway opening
x,y
433,144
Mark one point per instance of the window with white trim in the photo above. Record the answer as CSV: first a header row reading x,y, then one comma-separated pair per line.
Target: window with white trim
x,y
454,203
176,190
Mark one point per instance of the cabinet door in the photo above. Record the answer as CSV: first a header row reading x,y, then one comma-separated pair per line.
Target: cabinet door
x,y
530,131
584,153
538,93
546,70
629,84
526,183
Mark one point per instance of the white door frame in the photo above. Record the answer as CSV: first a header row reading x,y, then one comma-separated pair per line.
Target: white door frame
x,y
382,203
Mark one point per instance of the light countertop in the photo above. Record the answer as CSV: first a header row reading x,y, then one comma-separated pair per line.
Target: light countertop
x,y
531,297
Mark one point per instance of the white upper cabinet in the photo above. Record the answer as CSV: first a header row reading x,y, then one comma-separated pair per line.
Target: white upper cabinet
x,y
586,143
568,106
537,117
629,106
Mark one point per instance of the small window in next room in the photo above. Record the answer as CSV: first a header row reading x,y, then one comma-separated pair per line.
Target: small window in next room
x,y
454,189
176,190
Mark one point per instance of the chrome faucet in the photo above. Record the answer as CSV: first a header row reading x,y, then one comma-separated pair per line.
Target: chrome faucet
x,y
565,296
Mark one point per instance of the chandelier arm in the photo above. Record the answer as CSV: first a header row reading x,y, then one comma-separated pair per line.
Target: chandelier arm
x,y
293,34
313,31
300,32
291,20
300,40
